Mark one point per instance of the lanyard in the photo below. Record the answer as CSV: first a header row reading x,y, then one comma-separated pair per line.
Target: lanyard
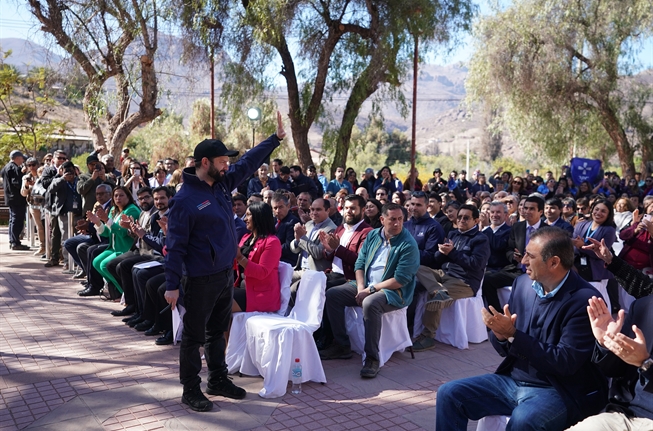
x,y
590,233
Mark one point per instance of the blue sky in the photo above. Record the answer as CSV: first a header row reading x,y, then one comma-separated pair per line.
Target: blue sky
x,y
16,21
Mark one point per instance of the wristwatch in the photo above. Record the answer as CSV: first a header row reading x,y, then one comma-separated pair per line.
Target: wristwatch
x,y
372,288
646,365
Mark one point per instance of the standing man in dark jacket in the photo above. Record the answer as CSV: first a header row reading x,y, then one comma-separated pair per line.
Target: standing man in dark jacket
x,y
302,183
457,272
88,182
66,199
12,178
202,238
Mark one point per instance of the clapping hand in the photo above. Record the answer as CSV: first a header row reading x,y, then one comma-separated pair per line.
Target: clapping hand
x,y
163,224
601,319
632,351
502,324
300,231
102,214
329,241
602,251
578,242
126,221
446,247
93,218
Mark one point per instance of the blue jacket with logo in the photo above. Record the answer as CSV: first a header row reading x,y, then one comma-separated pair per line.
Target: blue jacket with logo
x,y
201,228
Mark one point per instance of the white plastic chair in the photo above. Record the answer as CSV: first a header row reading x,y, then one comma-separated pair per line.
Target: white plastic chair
x,y
394,333
237,334
273,342
492,423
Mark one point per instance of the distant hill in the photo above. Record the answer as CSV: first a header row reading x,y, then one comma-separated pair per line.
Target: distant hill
x,y
442,126
26,54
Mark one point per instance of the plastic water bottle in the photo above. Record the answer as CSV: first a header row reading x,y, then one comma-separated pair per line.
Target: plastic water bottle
x,y
296,377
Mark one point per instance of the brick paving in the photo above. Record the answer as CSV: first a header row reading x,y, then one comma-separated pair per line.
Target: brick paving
x,y
67,364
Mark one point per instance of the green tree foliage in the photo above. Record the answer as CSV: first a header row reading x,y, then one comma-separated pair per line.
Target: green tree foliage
x,y
321,48
556,70
24,104
98,35
163,137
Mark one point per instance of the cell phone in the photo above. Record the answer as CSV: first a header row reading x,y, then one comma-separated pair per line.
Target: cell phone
x,y
137,171
648,217
98,167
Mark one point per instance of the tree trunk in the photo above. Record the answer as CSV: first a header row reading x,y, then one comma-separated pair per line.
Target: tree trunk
x,y
366,84
612,125
647,156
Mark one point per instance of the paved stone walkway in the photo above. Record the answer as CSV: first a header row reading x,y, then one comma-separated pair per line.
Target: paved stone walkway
x,y
67,364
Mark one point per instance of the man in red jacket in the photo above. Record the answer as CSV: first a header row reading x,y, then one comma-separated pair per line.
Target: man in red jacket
x,y
341,247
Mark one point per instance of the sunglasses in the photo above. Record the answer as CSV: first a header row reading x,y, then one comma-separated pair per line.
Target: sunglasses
x,y
464,217
517,182
31,164
62,158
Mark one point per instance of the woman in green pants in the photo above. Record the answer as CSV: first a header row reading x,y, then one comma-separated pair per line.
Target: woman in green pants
x,y
119,239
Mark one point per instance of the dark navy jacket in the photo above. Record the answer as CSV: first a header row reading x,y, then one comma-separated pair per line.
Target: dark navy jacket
x,y
286,234
304,184
276,184
468,259
498,247
555,345
562,224
201,227
428,233
630,394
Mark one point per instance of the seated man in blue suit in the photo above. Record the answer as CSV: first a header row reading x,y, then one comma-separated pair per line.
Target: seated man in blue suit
x,y
553,215
547,380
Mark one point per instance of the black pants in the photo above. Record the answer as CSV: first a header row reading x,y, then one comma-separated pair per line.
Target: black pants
x,y
94,278
121,268
140,279
208,303
17,211
155,289
494,281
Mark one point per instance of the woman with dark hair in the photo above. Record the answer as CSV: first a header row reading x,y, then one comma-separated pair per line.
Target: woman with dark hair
x,y
373,213
119,239
350,175
451,211
638,249
600,226
133,176
385,180
399,198
257,286
517,186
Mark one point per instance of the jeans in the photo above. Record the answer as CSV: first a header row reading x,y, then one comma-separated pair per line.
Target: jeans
x,y
71,245
529,407
208,303
17,212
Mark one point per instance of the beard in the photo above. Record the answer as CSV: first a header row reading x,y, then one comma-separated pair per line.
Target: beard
x,y
354,219
215,174
146,206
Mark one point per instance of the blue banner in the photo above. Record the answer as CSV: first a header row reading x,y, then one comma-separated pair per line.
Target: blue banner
x,y
585,170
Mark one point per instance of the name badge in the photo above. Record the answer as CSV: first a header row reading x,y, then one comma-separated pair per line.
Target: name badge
x,y
583,261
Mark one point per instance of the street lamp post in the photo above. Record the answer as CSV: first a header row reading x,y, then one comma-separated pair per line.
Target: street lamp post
x,y
254,115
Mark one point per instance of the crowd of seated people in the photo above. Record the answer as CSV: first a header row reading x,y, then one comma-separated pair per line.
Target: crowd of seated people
x,y
379,243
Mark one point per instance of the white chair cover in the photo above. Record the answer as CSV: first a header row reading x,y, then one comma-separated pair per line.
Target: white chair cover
x,y
394,332
273,342
237,334
492,423
462,322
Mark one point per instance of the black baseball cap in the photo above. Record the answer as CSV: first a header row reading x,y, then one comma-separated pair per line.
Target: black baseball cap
x,y
91,159
210,148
